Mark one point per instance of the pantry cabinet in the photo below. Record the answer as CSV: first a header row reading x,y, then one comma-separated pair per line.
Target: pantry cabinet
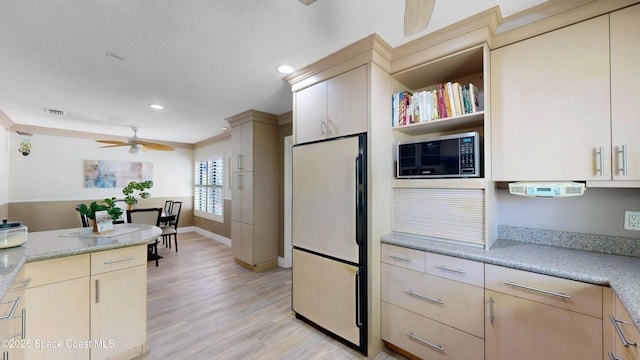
x,y
254,189
564,108
332,108
531,316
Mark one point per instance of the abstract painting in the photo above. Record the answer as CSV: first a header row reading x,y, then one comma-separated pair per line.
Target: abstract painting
x,y
115,174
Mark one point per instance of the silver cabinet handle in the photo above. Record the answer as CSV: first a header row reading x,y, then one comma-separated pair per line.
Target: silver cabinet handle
x,y
22,284
240,181
624,163
457,271
624,340
423,341
12,312
433,300
329,124
323,126
113,261
401,258
97,291
600,162
491,310
23,333
240,161
5,355
547,292
613,357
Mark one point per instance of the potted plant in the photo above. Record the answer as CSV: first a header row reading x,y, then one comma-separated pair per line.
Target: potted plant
x,y
109,206
136,189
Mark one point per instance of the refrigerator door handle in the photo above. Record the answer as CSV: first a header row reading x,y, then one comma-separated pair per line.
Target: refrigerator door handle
x,y
359,197
358,317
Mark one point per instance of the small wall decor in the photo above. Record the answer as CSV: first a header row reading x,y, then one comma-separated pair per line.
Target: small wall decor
x,y
115,174
25,147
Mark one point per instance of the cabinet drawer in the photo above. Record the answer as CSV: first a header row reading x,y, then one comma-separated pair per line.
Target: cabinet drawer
x,y
403,257
110,260
628,330
450,302
66,268
566,294
466,271
426,338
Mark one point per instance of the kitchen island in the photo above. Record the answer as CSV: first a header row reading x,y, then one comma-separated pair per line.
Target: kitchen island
x,y
85,293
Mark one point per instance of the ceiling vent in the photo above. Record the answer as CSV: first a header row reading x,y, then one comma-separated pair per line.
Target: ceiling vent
x,y
54,112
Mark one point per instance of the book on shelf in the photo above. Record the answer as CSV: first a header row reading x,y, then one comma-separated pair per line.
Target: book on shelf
x,y
443,101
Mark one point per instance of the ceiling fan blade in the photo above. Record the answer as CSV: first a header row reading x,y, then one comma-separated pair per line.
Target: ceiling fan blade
x,y
153,146
417,14
111,146
114,142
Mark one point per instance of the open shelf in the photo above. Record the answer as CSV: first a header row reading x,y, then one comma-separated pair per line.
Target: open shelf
x,y
440,125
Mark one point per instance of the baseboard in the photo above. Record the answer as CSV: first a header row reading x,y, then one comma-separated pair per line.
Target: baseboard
x,y
282,262
209,234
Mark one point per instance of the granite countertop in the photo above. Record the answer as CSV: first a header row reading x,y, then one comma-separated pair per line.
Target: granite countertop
x,y
621,273
45,245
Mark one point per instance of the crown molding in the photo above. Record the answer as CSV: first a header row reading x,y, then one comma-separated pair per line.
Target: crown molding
x,y
5,121
252,115
226,135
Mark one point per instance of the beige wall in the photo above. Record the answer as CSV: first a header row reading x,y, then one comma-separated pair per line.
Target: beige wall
x,y
222,229
54,215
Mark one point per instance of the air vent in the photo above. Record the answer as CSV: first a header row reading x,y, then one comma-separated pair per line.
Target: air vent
x,y
54,112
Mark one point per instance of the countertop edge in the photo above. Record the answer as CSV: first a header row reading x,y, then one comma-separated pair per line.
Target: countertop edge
x,y
526,256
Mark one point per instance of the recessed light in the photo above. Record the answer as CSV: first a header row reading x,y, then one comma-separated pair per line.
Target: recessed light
x,y
156,106
285,69
114,57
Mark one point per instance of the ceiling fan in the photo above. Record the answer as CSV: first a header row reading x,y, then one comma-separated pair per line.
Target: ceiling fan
x,y
136,145
417,14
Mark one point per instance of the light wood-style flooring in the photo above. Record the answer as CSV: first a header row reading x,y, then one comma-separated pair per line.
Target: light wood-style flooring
x,y
202,305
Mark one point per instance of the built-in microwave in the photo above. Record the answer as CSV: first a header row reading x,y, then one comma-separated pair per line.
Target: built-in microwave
x,y
456,155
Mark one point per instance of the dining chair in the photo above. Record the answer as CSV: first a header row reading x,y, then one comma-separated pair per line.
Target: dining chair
x,y
168,207
149,216
171,228
83,218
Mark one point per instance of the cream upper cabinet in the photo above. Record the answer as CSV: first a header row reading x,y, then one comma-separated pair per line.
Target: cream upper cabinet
x,y
334,107
550,105
625,82
242,148
532,316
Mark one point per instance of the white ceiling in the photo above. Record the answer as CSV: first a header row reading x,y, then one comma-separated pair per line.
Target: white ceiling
x,y
204,60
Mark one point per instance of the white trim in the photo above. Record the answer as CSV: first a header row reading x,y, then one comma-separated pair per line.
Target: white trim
x,y
210,235
288,248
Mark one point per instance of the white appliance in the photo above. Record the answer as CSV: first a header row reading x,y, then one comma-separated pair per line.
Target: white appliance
x,y
329,237
547,189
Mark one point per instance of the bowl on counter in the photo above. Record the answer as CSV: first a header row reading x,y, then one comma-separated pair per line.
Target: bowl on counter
x,y
12,234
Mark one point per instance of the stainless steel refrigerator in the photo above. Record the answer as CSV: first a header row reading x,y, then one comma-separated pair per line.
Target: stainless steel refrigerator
x,y
329,236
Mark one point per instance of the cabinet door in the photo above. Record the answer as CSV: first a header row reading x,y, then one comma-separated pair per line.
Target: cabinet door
x,y
517,328
550,105
347,103
59,312
119,312
628,331
242,147
242,242
311,113
625,82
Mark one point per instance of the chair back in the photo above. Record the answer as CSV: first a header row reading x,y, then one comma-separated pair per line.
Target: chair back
x,y
83,218
177,206
149,216
168,207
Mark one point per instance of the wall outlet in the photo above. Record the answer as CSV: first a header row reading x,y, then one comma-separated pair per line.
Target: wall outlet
x,y
632,220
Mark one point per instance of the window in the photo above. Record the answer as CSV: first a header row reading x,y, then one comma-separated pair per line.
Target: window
x,y
209,188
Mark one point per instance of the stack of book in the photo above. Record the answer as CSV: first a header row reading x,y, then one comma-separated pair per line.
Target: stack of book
x,y
446,100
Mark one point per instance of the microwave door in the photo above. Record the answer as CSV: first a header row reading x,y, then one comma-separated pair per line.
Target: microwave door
x,y
408,160
439,157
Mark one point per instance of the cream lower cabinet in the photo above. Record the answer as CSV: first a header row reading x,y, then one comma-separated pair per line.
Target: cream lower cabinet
x,y
622,338
119,303
532,316
58,308
12,320
432,306
89,306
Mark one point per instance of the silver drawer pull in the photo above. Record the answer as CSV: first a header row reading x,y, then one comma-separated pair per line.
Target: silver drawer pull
x,y
107,262
547,292
434,300
15,302
435,346
457,271
22,284
613,357
624,340
401,258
